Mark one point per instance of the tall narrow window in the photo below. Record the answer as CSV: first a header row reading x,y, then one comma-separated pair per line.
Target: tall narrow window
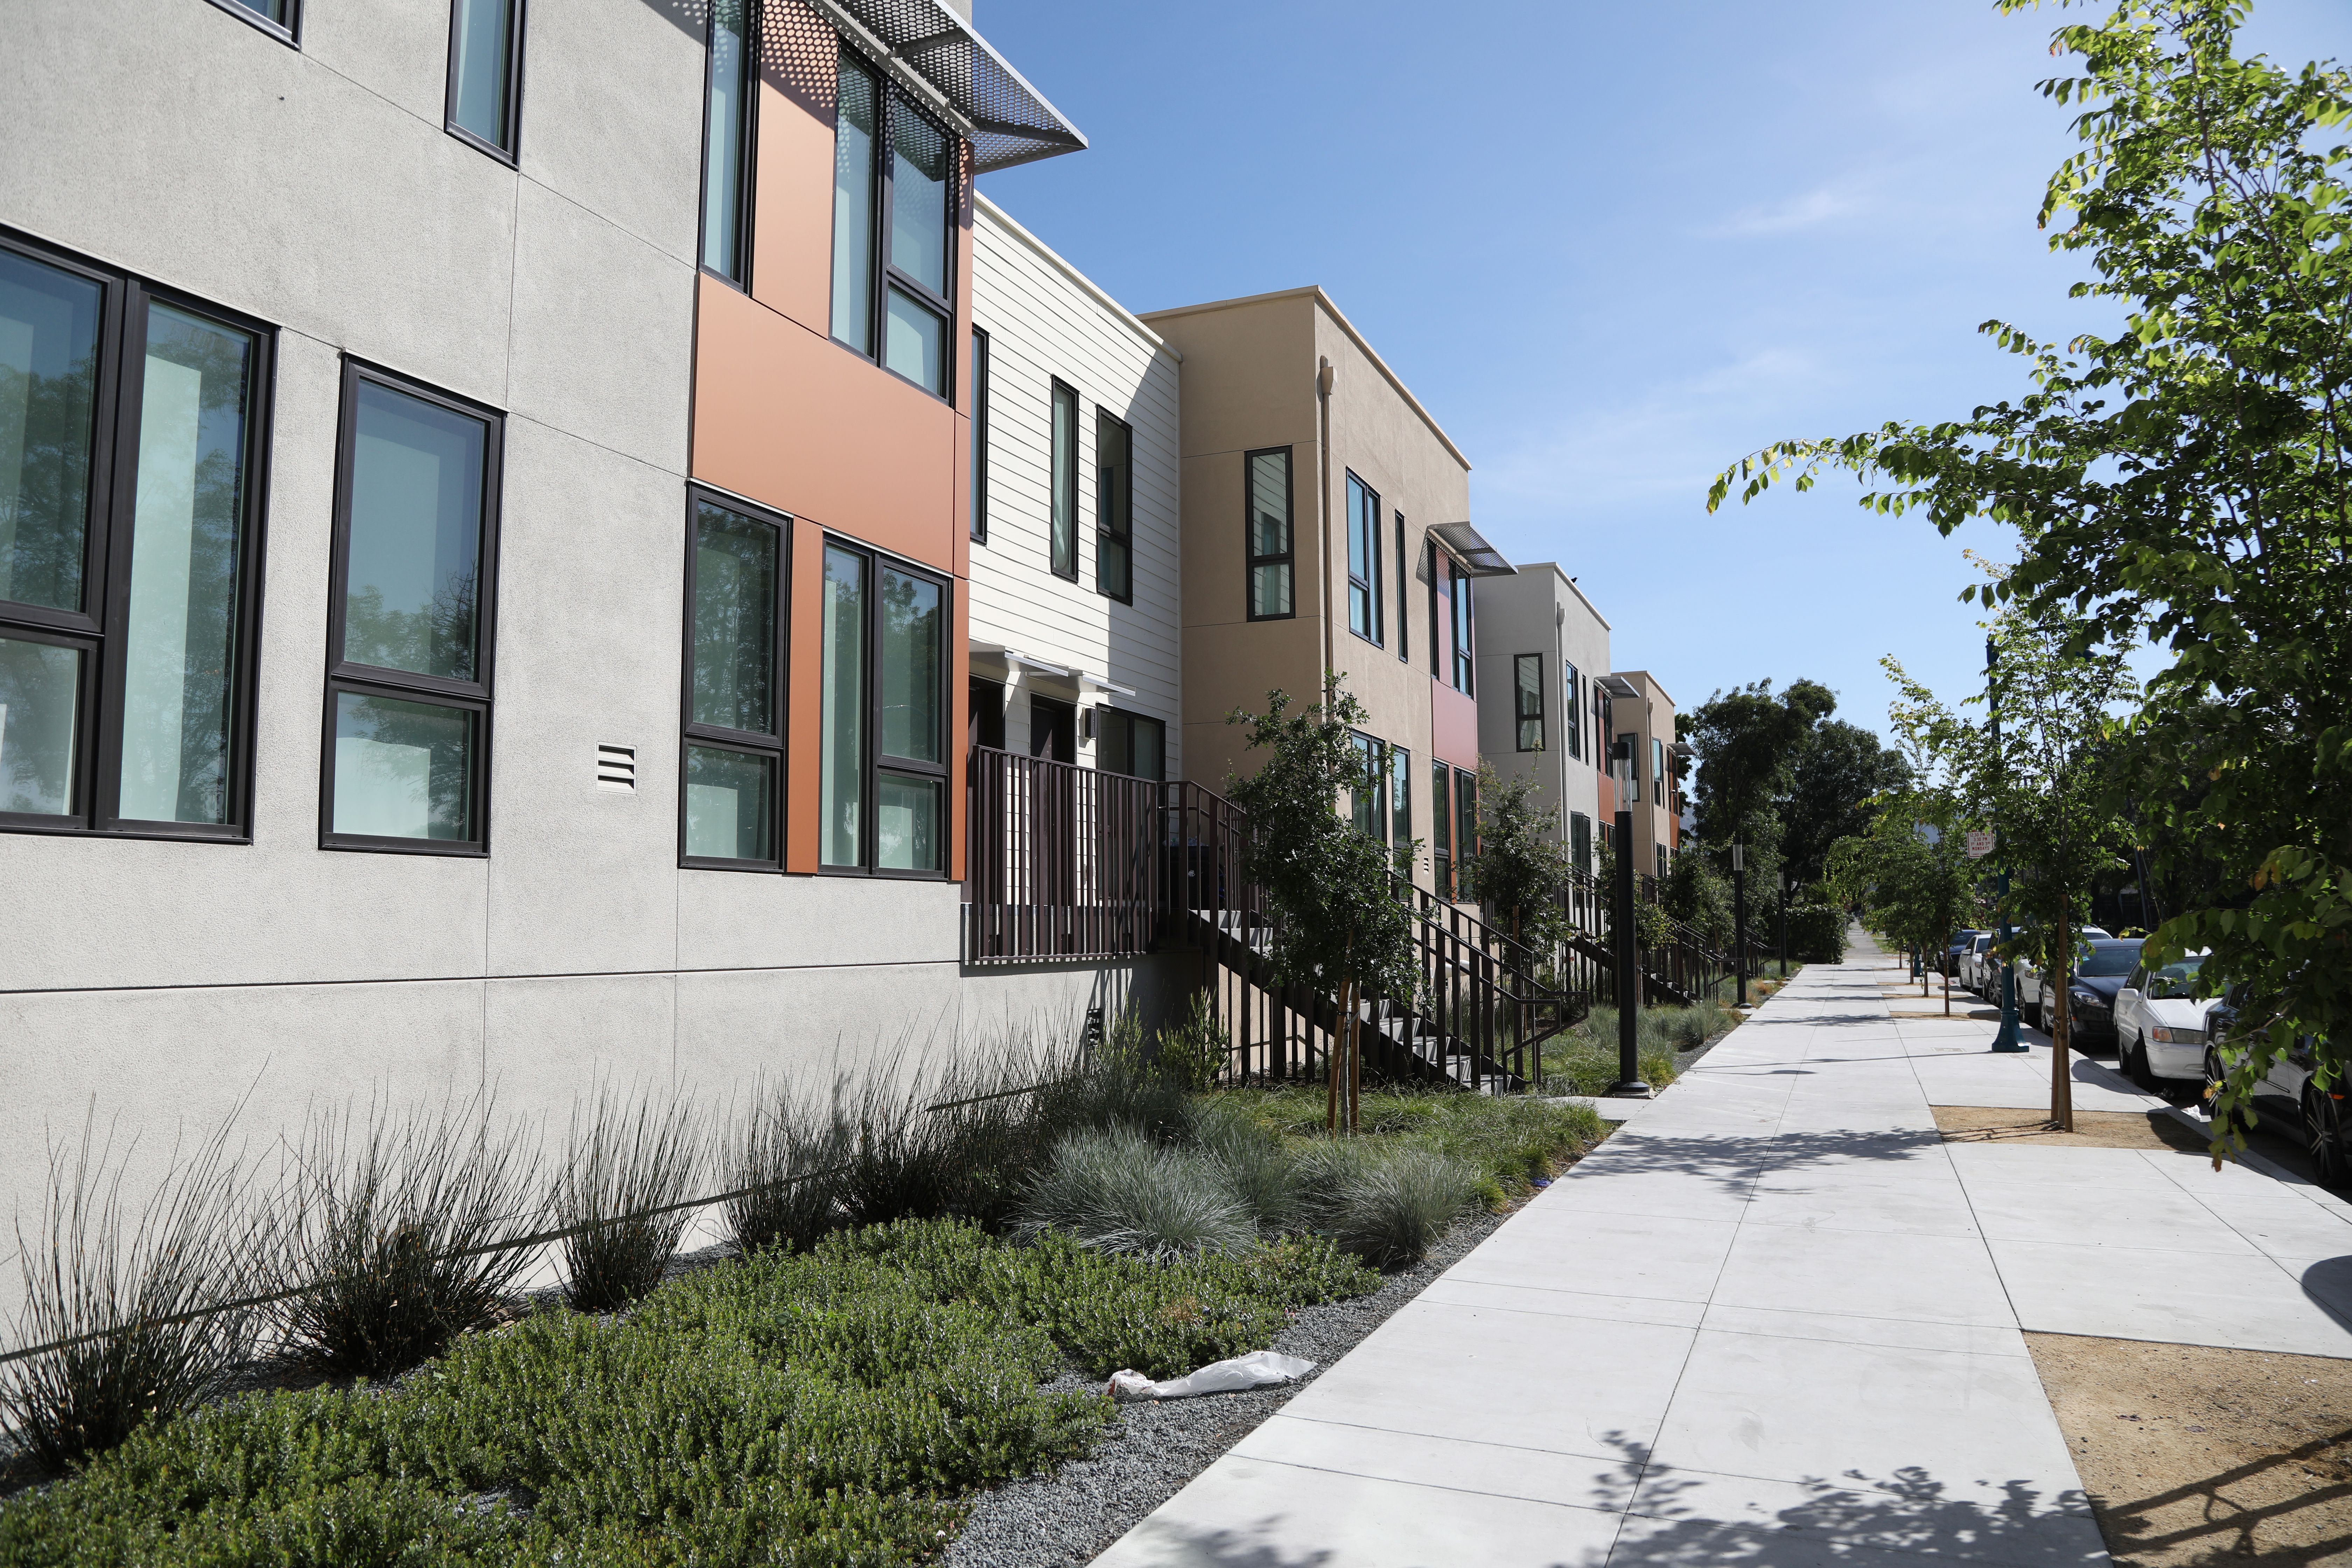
x,y
979,436
856,116
1466,664
1400,806
840,783
1571,710
727,142
1367,802
1441,826
1466,817
1658,772
1431,564
1065,461
1114,507
1267,502
1579,841
896,190
1133,744
1526,686
408,696
733,758
485,73
882,767
1404,581
1363,560
129,545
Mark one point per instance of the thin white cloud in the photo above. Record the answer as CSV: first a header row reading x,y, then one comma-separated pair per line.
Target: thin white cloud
x,y
1809,209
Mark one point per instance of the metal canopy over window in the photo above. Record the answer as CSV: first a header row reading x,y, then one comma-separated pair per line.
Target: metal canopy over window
x,y
1472,556
934,54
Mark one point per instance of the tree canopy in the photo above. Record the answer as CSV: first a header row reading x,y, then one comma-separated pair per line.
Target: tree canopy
x,y
2187,480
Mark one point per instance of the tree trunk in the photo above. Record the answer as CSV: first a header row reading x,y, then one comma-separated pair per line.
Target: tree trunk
x,y
1334,1061
2062,1058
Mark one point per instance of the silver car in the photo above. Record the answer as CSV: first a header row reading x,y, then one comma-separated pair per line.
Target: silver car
x,y
2288,1095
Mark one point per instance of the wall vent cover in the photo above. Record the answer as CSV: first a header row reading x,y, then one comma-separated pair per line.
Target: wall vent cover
x,y
616,768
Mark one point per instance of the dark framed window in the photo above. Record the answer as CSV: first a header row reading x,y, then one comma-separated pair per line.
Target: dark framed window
x,y
896,184
1132,744
133,442
1662,862
1266,501
882,798
1465,662
281,19
732,754
1367,802
1064,461
1400,808
1572,717
1466,817
484,100
1114,507
730,94
1441,826
1528,699
1363,560
979,436
1658,772
1579,841
410,619
1432,567
1404,579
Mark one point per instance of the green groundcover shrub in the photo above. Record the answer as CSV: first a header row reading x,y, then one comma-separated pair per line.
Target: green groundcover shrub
x,y
837,1407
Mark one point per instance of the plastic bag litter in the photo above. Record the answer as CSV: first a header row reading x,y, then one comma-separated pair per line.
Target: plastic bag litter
x,y
1254,1369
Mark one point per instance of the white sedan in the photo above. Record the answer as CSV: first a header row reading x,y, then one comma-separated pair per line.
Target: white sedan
x,y
2160,1026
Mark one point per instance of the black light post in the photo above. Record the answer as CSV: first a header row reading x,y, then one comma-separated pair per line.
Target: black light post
x,y
1629,953
2006,1039
1739,916
1784,925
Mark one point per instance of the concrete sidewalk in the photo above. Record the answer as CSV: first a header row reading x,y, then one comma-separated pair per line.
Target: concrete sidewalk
x,y
1776,1319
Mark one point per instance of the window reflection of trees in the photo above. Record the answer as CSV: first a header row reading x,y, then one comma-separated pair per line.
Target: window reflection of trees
x,y
45,520
444,735
435,640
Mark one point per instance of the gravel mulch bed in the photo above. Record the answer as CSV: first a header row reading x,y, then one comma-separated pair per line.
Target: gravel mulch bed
x,y
1151,1450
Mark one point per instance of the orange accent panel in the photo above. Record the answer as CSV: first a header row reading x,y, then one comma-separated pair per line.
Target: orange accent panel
x,y
798,423
1454,726
792,168
804,697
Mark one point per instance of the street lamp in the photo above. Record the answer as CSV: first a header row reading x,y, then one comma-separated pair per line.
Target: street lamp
x,y
2006,1039
1739,916
1784,923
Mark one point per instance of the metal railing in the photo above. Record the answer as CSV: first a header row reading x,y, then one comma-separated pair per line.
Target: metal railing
x,y
1061,861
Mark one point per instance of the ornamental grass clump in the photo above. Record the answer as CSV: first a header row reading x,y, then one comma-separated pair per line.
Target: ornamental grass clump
x,y
631,1163
1257,1168
386,1249
117,1297
785,1168
1385,1205
1119,1192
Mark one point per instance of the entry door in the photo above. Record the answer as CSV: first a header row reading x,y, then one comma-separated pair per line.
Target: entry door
x,y
1053,807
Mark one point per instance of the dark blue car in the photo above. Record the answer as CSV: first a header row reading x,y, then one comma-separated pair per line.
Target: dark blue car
x,y
2091,991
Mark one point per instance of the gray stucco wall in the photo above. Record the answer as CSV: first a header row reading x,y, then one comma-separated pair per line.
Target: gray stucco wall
x,y
157,985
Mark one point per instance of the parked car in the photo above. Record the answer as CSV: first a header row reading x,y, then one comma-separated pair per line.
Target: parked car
x,y
2287,1097
2028,980
2160,1024
1961,941
2100,971
1972,961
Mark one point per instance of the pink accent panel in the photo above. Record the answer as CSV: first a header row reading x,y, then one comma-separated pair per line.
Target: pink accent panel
x,y
1454,726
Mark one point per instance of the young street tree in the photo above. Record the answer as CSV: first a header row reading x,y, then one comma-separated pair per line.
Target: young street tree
x,y
1338,926
2190,475
1522,864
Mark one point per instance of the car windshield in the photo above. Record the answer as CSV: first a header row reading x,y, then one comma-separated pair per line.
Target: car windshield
x,y
2109,959
2180,973
1982,942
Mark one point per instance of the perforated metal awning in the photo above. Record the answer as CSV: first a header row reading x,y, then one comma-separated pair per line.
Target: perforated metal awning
x,y
934,54
1471,551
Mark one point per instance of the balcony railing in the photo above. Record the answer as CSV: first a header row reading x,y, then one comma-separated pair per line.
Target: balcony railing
x,y
1064,861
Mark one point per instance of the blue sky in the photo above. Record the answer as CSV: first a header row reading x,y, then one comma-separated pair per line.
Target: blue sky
x,y
1613,249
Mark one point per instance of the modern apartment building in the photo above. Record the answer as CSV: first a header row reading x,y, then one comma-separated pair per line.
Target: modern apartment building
x,y
1639,709
1325,528
486,546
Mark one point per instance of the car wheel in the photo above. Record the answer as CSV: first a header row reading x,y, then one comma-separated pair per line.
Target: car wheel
x,y
2212,1094
2034,1013
2323,1128
2133,1059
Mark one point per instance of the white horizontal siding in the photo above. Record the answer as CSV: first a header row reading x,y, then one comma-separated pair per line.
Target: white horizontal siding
x,y
1044,323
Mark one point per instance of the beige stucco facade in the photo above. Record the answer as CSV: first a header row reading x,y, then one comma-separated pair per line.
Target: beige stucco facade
x,y
1288,371
1649,717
